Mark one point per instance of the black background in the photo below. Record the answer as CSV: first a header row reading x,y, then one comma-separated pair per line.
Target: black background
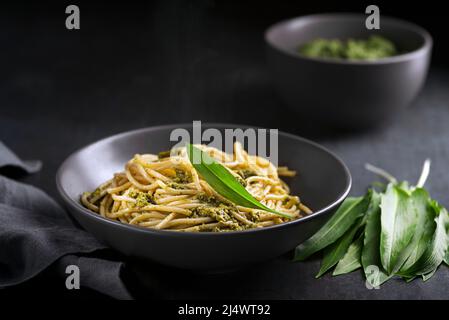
x,y
137,64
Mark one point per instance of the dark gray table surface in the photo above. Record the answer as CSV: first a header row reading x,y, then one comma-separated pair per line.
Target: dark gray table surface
x,y
61,90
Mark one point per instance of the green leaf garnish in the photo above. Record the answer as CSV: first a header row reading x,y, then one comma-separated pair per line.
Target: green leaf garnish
x,y
223,182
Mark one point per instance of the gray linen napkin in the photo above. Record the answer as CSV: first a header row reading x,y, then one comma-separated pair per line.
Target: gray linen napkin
x,y
35,233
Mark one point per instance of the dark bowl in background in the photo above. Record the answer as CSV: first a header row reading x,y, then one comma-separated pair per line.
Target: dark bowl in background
x,y
323,183
347,94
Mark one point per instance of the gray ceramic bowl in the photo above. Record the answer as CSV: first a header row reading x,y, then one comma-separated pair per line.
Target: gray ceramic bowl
x,y
323,183
341,93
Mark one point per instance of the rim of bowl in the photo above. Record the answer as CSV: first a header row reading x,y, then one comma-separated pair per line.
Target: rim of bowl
x,y
100,219
426,45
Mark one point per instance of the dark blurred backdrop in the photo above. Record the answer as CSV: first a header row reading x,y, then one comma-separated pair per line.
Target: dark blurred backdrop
x,y
135,64
138,63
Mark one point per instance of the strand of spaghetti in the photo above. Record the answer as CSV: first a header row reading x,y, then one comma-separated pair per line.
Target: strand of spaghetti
x,y
143,173
137,183
164,223
103,207
146,216
266,190
87,203
260,178
246,209
144,159
180,227
304,208
283,187
119,188
166,209
122,198
266,216
119,213
151,223
191,205
275,196
97,194
207,188
183,201
157,175
169,199
196,179
115,206
202,227
242,219
265,223
284,171
239,157
190,221
264,163
180,191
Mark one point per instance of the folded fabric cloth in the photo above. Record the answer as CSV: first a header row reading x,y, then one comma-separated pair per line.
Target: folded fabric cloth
x,y
9,159
35,232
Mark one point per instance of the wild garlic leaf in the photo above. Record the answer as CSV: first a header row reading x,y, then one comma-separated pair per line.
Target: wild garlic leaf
x,y
425,228
336,251
345,217
429,275
436,251
351,260
223,182
398,225
372,266
408,279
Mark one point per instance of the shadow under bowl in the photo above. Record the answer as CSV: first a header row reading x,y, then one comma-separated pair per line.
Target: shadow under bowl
x,y
347,94
323,182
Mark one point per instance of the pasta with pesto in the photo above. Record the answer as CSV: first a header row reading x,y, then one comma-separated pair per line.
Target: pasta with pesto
x,y
164,191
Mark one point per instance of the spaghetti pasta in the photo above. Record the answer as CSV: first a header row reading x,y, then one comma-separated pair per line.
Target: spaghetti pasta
x,y
165,192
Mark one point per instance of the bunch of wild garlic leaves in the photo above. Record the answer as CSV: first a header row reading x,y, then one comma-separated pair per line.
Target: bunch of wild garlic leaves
x,y
399,231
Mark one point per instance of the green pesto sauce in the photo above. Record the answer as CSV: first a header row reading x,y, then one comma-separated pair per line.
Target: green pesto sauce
x,y
373,48
210,200
221,212
142,198
245,173
240,180
178,186
96,193
182,177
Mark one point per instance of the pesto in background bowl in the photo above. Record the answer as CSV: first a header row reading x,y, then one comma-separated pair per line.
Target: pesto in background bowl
x,y
372,48
341,93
